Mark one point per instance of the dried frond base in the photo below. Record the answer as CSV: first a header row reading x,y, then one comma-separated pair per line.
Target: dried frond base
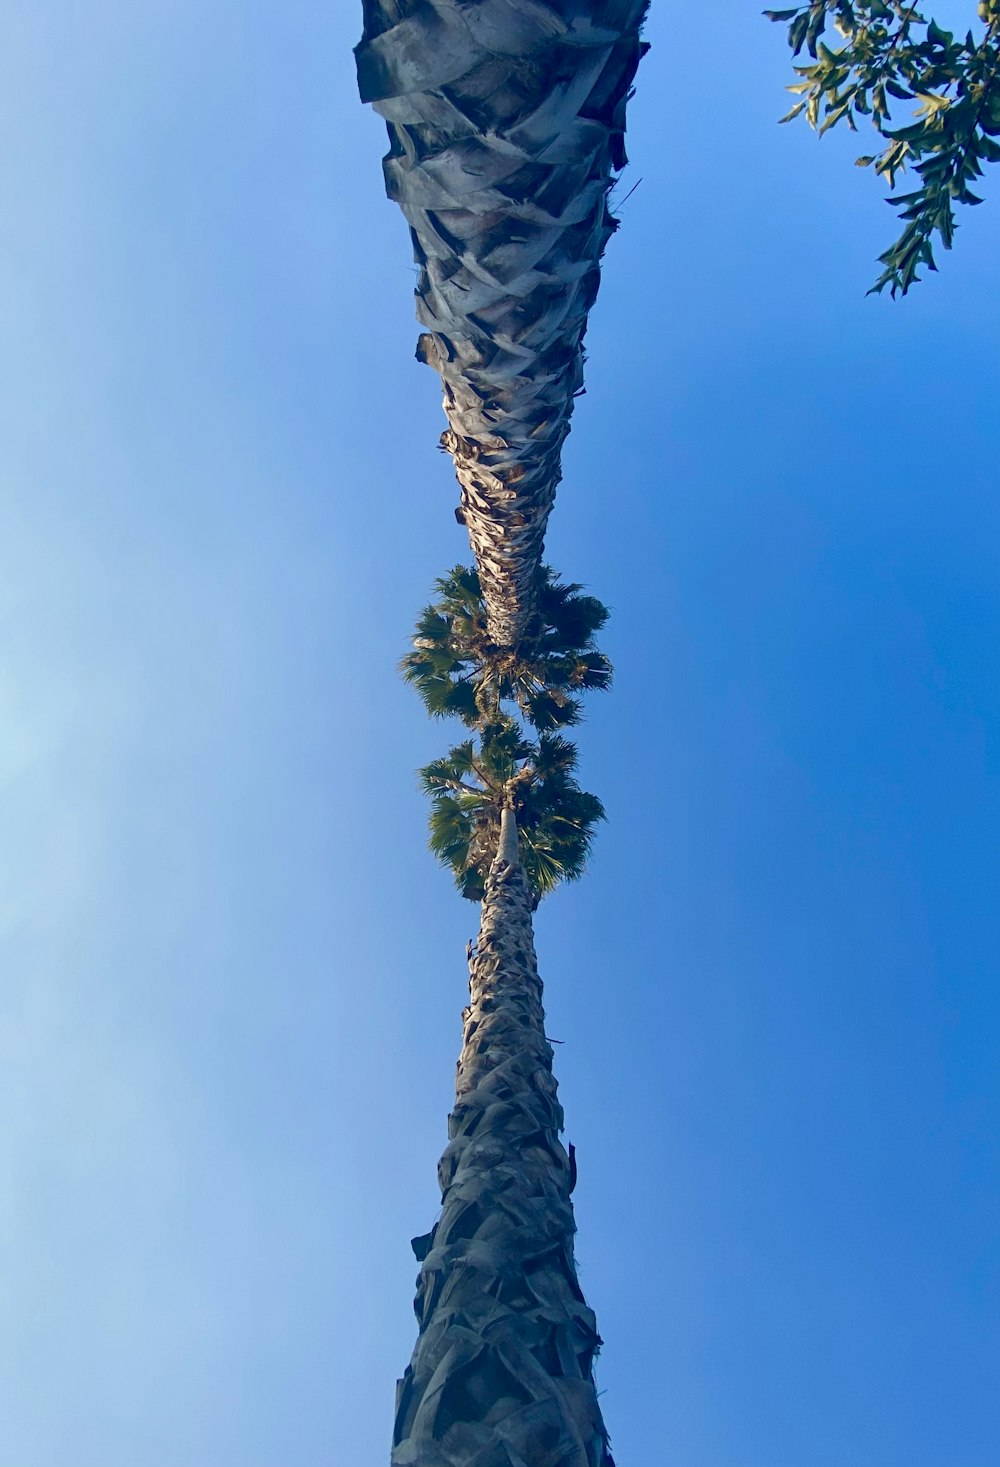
x,y
506,123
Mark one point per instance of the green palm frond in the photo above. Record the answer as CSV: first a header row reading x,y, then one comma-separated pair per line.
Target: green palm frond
x,y
456,768
458,672
557,831
504,750
592,671
555,818
547,710
555,757
568,616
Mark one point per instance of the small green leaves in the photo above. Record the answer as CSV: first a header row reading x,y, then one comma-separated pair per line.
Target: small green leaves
x,y
893,52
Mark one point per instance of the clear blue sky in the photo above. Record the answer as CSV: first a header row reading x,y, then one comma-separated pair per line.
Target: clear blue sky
x,y
232,976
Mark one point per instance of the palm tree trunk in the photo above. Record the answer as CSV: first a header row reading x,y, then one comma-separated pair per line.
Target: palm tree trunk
x,y
506,125
502,1372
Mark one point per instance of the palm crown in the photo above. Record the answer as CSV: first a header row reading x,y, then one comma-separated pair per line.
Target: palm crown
x,y
535,778
458,670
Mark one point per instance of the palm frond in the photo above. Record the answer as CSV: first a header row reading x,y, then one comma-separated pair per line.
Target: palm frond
x,y
450,772
549,710
458,672
555,818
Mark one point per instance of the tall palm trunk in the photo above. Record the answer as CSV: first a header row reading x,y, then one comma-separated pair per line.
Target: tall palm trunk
x,y
506,124
502,1374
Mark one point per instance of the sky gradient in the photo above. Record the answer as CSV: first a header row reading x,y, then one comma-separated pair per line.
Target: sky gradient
x,y
232,975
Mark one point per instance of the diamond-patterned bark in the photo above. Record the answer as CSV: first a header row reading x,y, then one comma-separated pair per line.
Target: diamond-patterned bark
x,y
506,123
502,1372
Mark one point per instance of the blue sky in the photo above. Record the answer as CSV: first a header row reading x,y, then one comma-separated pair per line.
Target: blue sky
x,y
232,974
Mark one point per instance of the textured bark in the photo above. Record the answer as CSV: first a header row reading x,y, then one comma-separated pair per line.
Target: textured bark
x,y
506,122
502,1372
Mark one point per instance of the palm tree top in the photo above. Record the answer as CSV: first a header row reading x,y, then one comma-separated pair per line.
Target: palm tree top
x,y
459,670
536,779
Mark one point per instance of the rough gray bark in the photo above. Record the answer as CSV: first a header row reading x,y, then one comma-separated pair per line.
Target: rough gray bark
x,y
502,1372
506,121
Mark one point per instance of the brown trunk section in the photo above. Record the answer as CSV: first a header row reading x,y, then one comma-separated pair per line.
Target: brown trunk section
x,y
506,124
502,1372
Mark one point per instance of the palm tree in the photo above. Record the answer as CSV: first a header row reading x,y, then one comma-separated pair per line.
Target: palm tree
x,y
502,1371
534,779
506,123
506,128
458,669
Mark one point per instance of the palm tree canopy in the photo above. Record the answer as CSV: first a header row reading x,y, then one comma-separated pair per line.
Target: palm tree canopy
x,y
506,127
555,818
458,670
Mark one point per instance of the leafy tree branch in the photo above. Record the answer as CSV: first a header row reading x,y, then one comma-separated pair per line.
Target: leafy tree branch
x,y
892,53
